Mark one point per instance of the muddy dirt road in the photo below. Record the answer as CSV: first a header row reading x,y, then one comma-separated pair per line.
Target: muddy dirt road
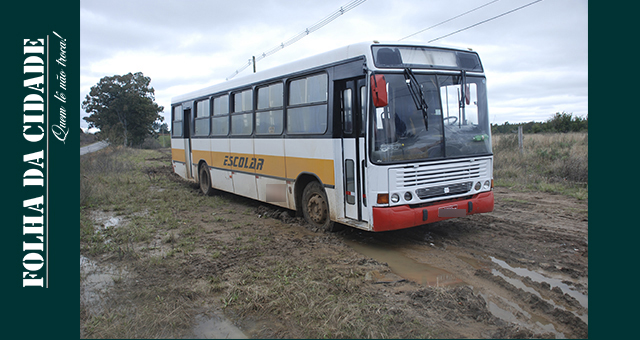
x,y
528,260
521,271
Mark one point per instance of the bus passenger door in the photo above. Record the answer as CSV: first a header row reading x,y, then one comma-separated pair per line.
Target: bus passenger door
x,y
349,95
187,143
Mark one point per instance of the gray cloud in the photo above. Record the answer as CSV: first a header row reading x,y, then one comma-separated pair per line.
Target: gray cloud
x,y
536,59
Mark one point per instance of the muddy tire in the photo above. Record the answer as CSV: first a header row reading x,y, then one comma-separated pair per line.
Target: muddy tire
x,y
315,207
205,180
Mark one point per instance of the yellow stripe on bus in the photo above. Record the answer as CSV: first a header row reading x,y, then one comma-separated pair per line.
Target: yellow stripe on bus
x,y
321,167
178,155
274,166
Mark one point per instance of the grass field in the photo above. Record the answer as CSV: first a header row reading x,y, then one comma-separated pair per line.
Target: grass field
x,y
556,163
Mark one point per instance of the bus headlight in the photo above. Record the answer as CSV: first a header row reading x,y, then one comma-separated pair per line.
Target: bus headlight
x,y
478,186
395,198
487,185
408,196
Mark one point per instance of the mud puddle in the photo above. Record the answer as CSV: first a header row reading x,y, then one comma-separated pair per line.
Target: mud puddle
x,y
95,282
213,325
547,287
510,311
403,266
105,220
506,309
540,278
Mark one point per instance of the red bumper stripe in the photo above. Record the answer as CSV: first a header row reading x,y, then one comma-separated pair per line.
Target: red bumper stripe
x,y
401,217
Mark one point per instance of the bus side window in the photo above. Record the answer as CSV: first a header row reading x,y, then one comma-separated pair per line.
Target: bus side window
x,y
269,116
176,130
242,117
307,107
220,120
202,114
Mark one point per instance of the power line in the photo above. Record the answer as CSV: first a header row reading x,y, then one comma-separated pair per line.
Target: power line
x,y
482,22
438,24
353,4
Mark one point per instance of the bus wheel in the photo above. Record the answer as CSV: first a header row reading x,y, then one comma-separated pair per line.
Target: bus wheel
x,y
315,207
205,180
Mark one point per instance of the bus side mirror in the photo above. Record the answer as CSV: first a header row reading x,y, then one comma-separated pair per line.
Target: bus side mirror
x,y
379,90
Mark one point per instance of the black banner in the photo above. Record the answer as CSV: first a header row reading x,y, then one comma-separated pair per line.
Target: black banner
x,y
41,133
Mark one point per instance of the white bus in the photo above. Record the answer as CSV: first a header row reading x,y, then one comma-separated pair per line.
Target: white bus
x,y
375,136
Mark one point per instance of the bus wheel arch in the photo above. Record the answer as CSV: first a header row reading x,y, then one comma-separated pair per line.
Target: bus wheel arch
x,y
204,179
314,204
301,183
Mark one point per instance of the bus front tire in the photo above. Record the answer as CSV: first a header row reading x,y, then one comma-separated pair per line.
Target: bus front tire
x,y
205,180
315,207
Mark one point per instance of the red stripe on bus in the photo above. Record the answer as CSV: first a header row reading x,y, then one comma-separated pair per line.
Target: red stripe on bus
x,y
400,217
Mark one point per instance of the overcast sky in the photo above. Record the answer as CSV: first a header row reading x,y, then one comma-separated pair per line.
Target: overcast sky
x,y
535,59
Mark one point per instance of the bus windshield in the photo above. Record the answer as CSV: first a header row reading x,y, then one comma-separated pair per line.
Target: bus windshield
x,y
455,125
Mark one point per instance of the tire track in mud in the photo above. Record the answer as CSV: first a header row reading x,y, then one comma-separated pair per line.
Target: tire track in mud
x,y
540,235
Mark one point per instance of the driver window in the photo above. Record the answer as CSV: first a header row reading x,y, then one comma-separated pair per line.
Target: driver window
x,y
450,96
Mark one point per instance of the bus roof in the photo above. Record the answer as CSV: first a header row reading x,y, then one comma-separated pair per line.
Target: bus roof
x,y
333,56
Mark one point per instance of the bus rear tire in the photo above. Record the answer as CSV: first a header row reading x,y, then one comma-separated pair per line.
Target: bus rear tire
x,y
315,207
205,180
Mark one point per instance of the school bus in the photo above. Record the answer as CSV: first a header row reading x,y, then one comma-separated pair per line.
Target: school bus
x,y
376,136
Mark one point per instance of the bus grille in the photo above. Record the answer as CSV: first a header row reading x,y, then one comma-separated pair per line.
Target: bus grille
x,y
444,190
439,173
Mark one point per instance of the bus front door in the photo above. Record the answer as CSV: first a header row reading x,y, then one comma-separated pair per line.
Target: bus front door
x,y
350,94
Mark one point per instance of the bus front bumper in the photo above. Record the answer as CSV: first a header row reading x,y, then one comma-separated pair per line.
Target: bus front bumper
x,y
404,216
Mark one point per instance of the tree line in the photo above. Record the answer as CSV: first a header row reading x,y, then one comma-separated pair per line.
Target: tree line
x,y
559,122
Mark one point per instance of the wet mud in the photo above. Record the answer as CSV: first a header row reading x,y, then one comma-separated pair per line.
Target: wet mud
x,y
213,325
519,272
530,266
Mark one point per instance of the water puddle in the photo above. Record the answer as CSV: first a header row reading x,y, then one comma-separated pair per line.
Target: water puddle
x,y
95,282
404,266
214,326
519,284
541,322
513,313
504,313
475,263
106,220
537,277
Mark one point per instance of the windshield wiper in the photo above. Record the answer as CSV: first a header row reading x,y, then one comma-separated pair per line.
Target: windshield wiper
x,y
417,94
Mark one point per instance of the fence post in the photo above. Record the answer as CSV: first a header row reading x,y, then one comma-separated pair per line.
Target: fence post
x,y
520,139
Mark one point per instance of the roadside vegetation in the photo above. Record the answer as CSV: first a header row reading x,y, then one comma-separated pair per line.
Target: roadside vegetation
x,y
554,156
549,162
559,122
